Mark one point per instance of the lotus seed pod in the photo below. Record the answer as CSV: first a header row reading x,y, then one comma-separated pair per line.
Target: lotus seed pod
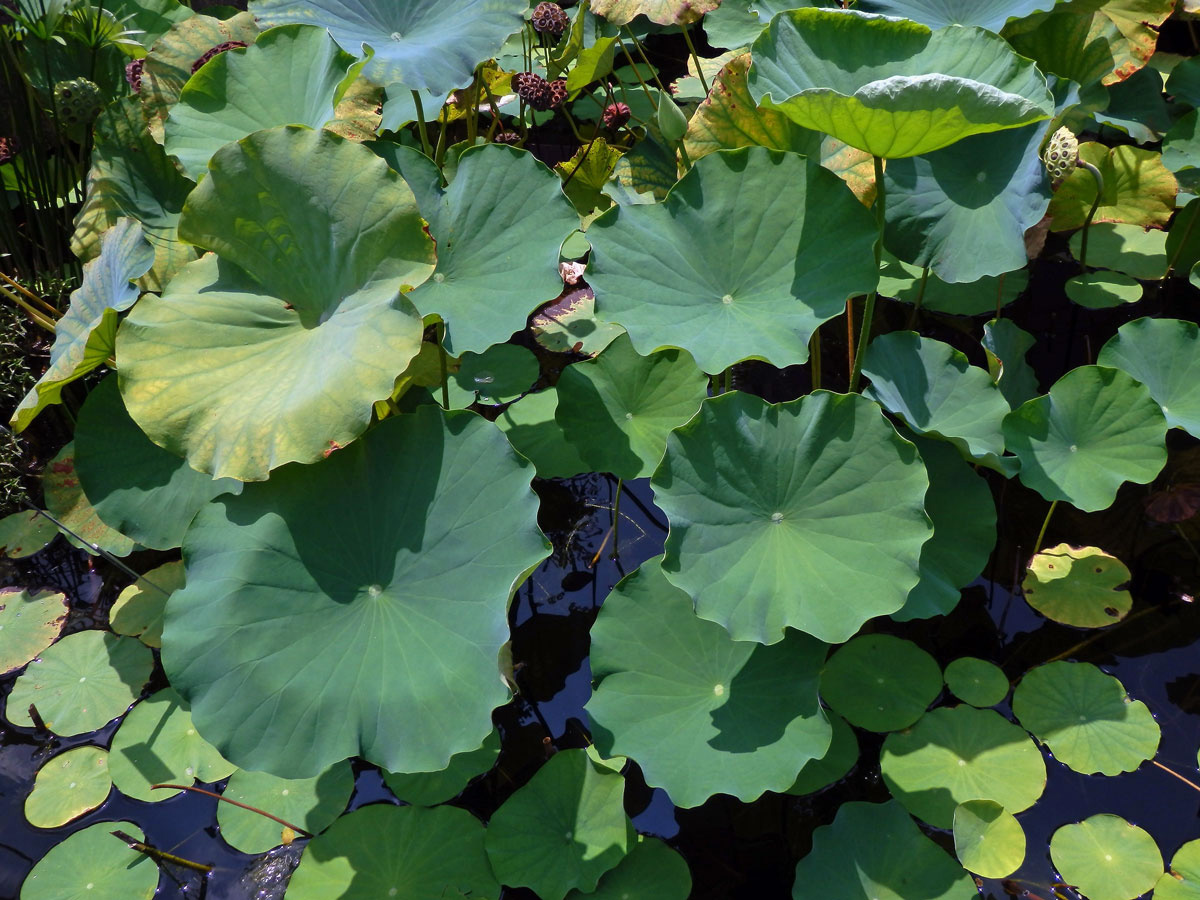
x,y
1061,154
77,101
220,48
549,18
511,138
615,115
133,74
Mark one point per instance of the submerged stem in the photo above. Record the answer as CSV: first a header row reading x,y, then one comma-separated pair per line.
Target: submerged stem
x,y
864,336
160,856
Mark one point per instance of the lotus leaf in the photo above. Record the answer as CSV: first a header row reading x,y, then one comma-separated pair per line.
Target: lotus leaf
x,y
880,682
910,284
988,839
25,533
29,623
839,759
650,871
562,830
989,14
69,505
1100,290
1085,718
1128,249
776,509
67,786
977,681
424,504
1096,429
532,429
1164,355
1138,189
701,713
138,610
502,373
432,788
1006,346
400,852
275,349
90,865
736,23
1080,586
1181,144
664,12
312,803
1182,880
874,851
835,71
793,245
569,324
400,108
1183,240
1106,858
81,683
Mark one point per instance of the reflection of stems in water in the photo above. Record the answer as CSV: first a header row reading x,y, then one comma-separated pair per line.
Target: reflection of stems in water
x,y
1037,545
253,809
1169,771
160,856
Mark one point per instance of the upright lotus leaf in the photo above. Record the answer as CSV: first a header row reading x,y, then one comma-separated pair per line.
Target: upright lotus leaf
x,y
67,786
1182,880
425,45
651,869
1096,429
777,509
875,851
29,623
836,71
81,683
1079,586
107,284
988,839
275,349
880,682
1006,346
25,533
989,14
1164,355
839,759
750,252
1085,718
663,12
532,429
312,803
432,788
1138,189
977,681
399,852
69,505
959,753
964,210
299,67
619,408
1106,858
139,608
910,284
91,865
502,373
381,652
701,713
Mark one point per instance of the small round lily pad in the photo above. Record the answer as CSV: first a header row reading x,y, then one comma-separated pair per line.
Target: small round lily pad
x,y
1098,290
29,623
432,788
501,373
93,865
988,839
1106,858
25,533
310,803
1078,586
976,681
138,610
67,786
1182,880
880,682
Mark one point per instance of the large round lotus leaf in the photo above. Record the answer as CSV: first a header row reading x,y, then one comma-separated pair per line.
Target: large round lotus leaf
x,y
619,408
960,753
67,786
1138,189
1182,880
988,839
1101,290
1078,586
989,14
1106,858
964,210
1006,346
910,284
298,67
808,514
880,682
701,713
1095,430
532,429
1164,355
70,506
503,372
837,761
380,652
427,45
139,608
650,871
275,350
25,533
82,682
1085,718
312,803
158,744
976,681
836,71
93,865
397,852
432,788
750,252
29,623
562,830
875,851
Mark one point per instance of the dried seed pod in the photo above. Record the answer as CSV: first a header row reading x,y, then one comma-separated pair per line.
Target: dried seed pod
x,y
549,18
220,48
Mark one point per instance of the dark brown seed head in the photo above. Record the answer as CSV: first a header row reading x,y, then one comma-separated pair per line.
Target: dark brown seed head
x,y
133,73
220,48
549,18
615,115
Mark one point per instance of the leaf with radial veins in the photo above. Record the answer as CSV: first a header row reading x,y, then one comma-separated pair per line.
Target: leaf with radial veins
x,y
30,620
701,713
90,865
1138,189
988,839
69,505
751,251
1107,858
836,71
909,284
1006,346
67,786
374,549
989,14
808,514
1164,355
736,23
432,788
312,803
1078,586
880,682
1182,880
274,349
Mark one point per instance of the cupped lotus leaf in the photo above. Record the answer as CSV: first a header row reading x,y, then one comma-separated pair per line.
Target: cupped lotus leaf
x,y
976,681
67,786
650,871
500,374
312,803
988,839
400,852
1006,346
1096,429
1138,189
432,788
618,409
1182,880
138,610
959,753
69,505
377,622
29,623
662,12
1128,249
1085,718
25,533
1080,586
107,284
91,865
425,45
1164,355
836,71
81,683
275,349
1106,858
875,851
837,761
910,284
774,509
1101,290
964,210
569,324
791,246
562,830
532,428
880,682
701,713
989,14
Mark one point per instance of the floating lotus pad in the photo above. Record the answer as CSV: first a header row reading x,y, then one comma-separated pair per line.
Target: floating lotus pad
x,y
833,766
432,788
988,839
775,510
651,869
29,623
25,533
701,713
139,608
1164,355
1078,586
373,547
532,429
880,682
312,803
1101,290
92,865
68,504
1129,249
502,373
67,786
909,284
1182,880
1106,858
977,681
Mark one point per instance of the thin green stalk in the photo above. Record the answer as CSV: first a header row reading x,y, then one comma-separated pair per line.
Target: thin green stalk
x,y
33,298
637,74
814,357
912,316
425,145
1037,545
160,856
645,59
441,342
473,119
439,154
34,315
1000,294
864,336
695,57
1083,243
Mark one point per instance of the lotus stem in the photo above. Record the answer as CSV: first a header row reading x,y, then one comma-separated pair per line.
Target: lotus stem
x,y
912,316
425,145
1000,293
814,358
254,809
160,856
1091,213
34,314
695,56
637,74
864,337
441,342
1045,522
33,298
1169,771
645,59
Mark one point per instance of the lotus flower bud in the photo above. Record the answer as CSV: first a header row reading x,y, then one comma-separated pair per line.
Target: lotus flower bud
x,y
1061,154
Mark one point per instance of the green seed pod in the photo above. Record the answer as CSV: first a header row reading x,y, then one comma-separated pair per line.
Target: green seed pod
x,y
77,101
1062,152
